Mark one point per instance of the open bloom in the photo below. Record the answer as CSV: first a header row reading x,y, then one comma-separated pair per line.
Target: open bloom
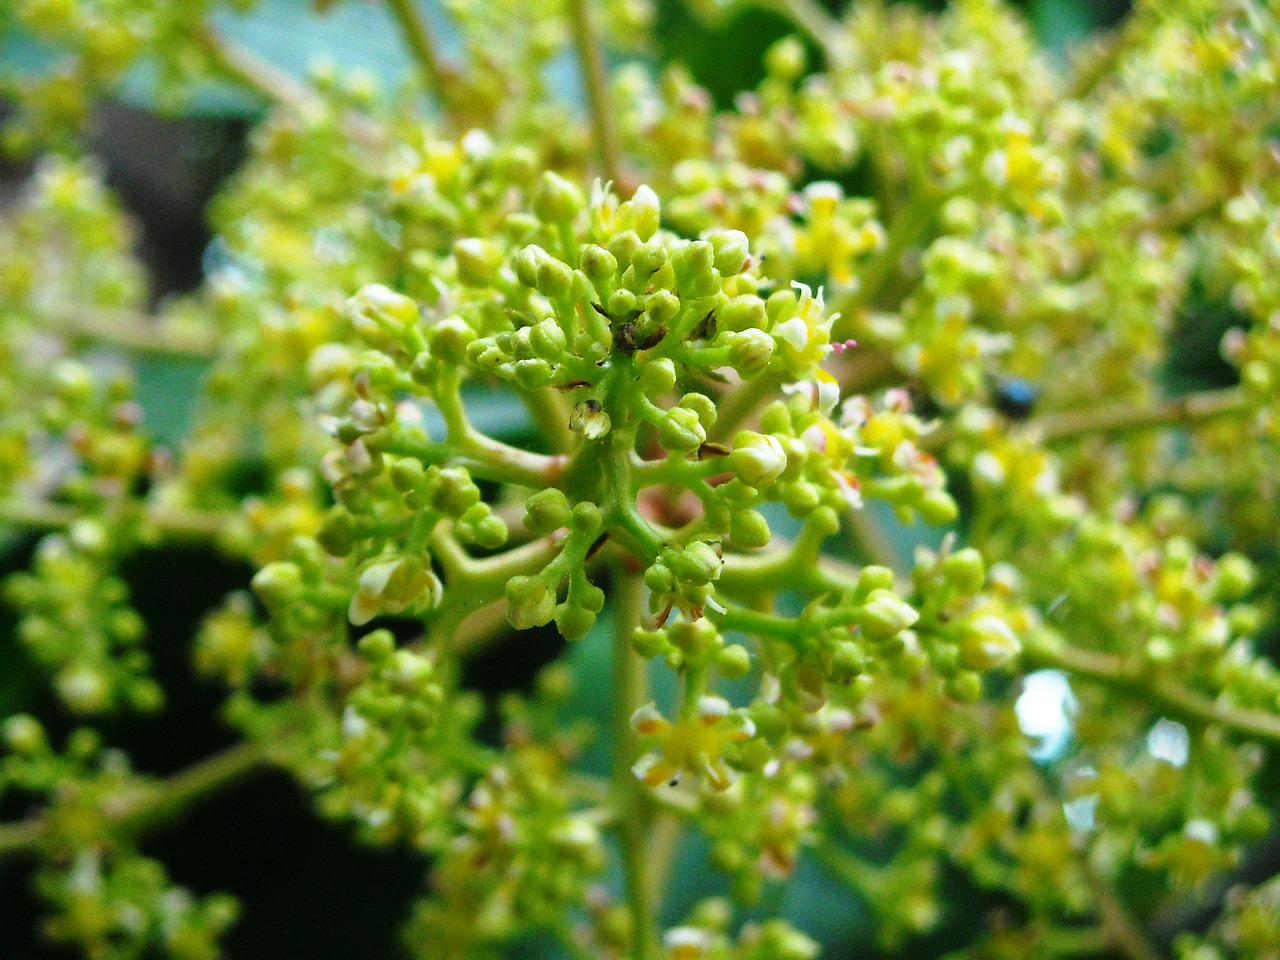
x,y
696,743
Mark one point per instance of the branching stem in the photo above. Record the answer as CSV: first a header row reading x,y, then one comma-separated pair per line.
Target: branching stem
x,y
155,803
1162,691
1190,410
417,36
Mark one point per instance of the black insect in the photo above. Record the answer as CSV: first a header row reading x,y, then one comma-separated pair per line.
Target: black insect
x,y
1016,397
624,337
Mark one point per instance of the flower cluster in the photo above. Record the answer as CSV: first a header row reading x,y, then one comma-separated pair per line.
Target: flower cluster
x,y
839,434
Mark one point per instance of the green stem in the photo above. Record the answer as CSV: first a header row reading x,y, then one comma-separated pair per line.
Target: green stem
x,y
131,332
743,400
749,575
474,585
265,79
1187,411
155,803
1163,692
417,36
910,226
172,796
1075,941
173,525
274,85
482,456
1123,931
550,417
872,542
629,693
21,837
586,43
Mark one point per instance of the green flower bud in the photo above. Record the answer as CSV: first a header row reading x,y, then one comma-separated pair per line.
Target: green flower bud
x,y
657,377
661,306
703,406
1233,577
533,374
697,563
757,458
481,526
598,264
786,59
377,646
659,579
646,212
624,247
553,278
83,689
477,261
529,603
647,261
965,571
937,508
965,687
750,351
574,622
733,661
377,312
337,533
72,382
988,642
872,578
589,597
452,492
547,340
408,672
746,312
278,584
557,200
329,363
695,276
546,511
847,662
681,431
23,735
884,615
732,250
586,518
748,529
526,264
801,497
407,474
622,303
648,643
448,341
696,639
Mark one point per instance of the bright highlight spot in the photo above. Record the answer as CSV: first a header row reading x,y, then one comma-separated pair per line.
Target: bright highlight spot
x,y
1044,710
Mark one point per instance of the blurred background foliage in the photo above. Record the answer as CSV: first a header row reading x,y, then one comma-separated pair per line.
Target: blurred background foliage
x,y
308,890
